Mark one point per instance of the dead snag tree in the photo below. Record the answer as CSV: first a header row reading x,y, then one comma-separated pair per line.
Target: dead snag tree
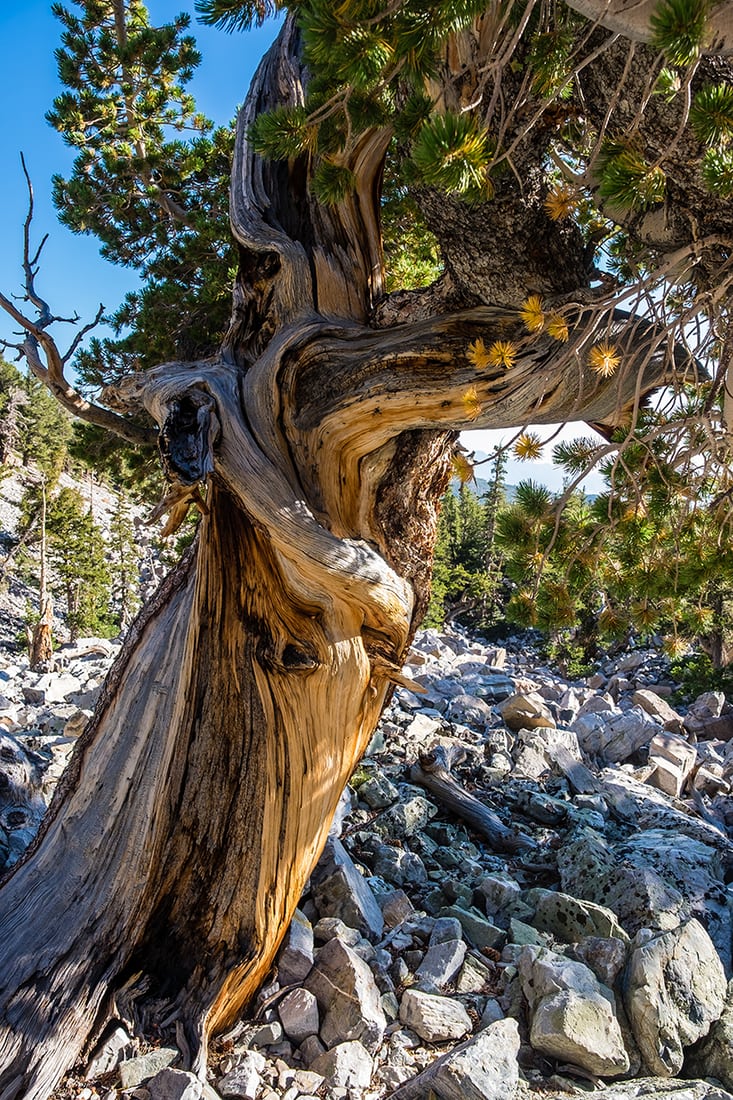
x,y
318,443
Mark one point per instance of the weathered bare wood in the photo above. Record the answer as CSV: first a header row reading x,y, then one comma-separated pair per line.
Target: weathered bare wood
x,y
433,771
632,19
198,801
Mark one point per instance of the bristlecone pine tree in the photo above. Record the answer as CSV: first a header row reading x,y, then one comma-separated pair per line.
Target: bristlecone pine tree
x,y
317,443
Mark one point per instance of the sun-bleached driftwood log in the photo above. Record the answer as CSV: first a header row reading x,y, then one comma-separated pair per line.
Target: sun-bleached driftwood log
x,y
316,445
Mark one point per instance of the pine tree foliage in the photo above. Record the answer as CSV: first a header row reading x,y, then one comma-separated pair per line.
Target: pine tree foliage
x,y
150,180
233,15
76,551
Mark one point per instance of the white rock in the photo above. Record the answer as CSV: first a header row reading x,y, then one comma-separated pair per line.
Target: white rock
x,y
346,991
296,954
675,988
434,1018
174,1084
573,1015
245,1079
347,1066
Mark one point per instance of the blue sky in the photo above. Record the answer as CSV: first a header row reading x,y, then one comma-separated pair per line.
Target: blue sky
x,y
74,278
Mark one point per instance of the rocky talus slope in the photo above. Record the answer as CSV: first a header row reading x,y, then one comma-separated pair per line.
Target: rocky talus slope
x,y
525,892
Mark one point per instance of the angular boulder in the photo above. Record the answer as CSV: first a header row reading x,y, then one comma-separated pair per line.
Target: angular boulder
x,y
345,989
573,1016
675,988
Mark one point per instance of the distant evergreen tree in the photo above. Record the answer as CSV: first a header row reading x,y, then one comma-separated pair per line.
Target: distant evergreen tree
x,y
464,583
155,197
124,562
45,430
12,400
76,553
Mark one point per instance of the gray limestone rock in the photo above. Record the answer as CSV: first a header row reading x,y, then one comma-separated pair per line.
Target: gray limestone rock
x,y
614,736
346,991
175,1084
470,710
573,1016
434,1018
675,988
347,1066
713,1057
405,818
378,792
442,962
110,1053
484,1067
136,1070
569,919
476,928
246,1077
296,954
298,1013
397,866
340,891
636,880
606,956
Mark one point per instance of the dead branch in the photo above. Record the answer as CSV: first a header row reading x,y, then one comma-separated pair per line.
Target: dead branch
x,y
434,773
42,353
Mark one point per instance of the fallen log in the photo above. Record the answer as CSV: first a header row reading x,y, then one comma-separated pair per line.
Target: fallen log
x,y
433,771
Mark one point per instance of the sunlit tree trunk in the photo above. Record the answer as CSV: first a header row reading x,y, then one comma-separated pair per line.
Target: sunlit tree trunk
x,y
200,797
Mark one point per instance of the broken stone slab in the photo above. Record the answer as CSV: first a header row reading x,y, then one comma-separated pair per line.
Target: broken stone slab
x,y
674,758
655,879
398,866
136,1070
659,708
347,1066
108,1055
713,1057
501,891
473,975
246,1077
606,957
646,808
396,908
569,919
340,891
526,712
298,1013
442,962
484,1067
471,711
345,989
476,928
614,737
675,988
573,1016
434,1018
57,686
175,1084
296,954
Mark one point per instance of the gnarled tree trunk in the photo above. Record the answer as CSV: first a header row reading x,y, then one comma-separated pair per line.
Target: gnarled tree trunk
x,y
199,799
